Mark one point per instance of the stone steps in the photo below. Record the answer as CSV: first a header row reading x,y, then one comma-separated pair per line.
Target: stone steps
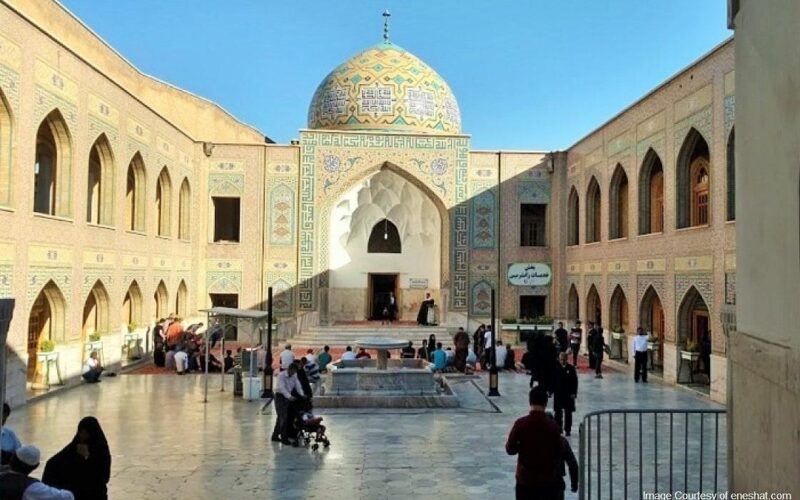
x,y
343,335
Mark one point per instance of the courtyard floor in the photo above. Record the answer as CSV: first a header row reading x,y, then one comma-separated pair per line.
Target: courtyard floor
x,y
167,444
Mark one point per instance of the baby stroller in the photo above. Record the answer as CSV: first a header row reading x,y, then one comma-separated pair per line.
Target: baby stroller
x,y
309,426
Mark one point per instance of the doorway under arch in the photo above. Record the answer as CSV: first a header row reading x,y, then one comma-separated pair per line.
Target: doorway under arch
x,y
182,300
573,304
132,305
619,319
46,321
694,330
95,312
594,310
161,301
651,318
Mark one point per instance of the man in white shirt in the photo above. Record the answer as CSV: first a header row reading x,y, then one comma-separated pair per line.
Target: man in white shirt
x,y
15,481
286,384
348,354
487,347
500,355
181,360
310,356
640,355
287,357
92,369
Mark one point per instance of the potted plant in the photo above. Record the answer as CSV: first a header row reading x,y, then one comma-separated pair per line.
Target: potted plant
x,y
132,327
617,332
47,346
508,321
691,350
95,337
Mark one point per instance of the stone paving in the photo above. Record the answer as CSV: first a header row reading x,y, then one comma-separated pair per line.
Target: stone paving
x,y
167,444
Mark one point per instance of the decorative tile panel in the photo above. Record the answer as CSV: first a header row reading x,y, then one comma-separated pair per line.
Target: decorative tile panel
x,y
483,222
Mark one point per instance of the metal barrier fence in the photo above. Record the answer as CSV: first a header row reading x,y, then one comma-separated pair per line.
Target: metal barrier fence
x,y
627,453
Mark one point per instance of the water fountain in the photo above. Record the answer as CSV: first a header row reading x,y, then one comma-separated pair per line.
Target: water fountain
x,y
384,382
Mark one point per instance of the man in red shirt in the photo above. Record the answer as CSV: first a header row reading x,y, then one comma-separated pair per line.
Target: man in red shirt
x,y
537,440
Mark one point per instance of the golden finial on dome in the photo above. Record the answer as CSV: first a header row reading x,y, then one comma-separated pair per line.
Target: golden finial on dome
x,y
386,16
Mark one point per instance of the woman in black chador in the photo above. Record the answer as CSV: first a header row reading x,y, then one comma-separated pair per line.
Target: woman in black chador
x,y
422,317
84,465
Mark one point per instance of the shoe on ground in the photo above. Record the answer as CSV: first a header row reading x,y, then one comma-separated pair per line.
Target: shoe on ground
x,y
285,441
598,376
276,439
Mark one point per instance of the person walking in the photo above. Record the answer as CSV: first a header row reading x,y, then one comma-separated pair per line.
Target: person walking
x,y
562,337
536,440
565,393
461,342
477,340
287,385
597,346
84,465
640,355
575,339
16,483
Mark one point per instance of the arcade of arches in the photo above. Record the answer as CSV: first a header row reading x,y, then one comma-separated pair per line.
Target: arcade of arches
x,y
129,212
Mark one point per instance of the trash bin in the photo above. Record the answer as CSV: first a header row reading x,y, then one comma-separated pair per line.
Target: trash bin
x,y
238,388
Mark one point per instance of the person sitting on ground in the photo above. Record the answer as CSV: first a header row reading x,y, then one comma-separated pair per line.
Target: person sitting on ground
x,y
181,360
15,481
422,352
500,355
312,372
287,357
510,355
84,465
310,357
8,439
302,376
324,359
408,351
450,357
174,333
472,360
439,358
363,354
213,363
348,354
227,361
92,369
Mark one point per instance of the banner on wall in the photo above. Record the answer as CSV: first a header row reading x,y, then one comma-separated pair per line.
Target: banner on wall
x,y
529,274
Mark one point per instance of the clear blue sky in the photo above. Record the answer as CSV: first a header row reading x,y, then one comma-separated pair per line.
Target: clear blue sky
x,y
528,74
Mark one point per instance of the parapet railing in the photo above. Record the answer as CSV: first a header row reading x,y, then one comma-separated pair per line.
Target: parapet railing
x,y
638,453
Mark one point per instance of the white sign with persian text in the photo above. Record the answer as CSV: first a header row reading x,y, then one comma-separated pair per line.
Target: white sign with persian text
x,y
529,274
418,283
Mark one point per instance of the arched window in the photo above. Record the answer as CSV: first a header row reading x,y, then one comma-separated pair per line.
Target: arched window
x,y
651,194
731,188
99,198
135,197
699,192
184,210
694,328
573,215
384,238
618,204
163,203
6,136
593,212
692,181
51,191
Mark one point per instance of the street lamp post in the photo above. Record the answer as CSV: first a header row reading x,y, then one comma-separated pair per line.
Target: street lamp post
x,y
267,392
493,376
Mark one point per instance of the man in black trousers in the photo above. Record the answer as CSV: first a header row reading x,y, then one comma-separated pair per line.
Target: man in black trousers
x,y
565,393
640,355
